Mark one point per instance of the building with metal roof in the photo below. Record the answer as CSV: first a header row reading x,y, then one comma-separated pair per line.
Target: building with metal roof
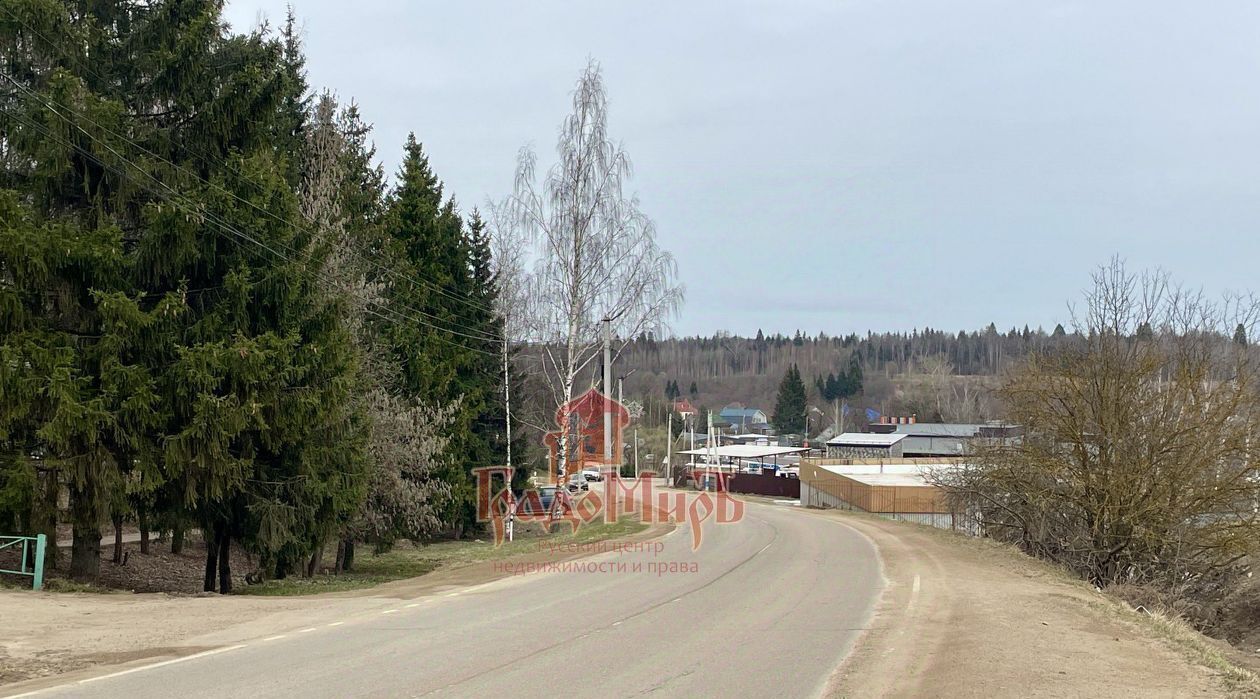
x,y
943,439
741,417
865,445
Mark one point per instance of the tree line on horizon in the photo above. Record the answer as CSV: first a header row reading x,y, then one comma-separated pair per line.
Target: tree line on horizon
x,y
725,368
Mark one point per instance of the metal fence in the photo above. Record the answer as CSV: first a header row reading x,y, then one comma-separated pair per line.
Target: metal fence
x,y
30,551
764,484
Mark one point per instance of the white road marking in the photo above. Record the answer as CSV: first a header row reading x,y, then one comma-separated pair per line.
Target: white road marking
x,y
164,663
337,623
307,630
389,611
275,638
413,605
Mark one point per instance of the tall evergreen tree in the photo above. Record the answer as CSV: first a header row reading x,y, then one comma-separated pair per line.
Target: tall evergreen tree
x,y
442,354
790,406
208,369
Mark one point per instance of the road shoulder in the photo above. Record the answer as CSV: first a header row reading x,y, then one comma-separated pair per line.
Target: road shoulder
x,y
51,638
965,617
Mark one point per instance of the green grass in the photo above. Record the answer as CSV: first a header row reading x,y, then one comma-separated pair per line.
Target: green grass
x,y
408,561
369,569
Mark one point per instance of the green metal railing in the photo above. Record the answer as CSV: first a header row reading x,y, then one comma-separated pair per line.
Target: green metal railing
x,y
40,543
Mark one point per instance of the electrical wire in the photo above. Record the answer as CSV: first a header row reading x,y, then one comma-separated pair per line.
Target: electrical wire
x,y
477,335
232,233
419,282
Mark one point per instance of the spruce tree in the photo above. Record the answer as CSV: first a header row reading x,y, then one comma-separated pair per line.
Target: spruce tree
x,y
206,376
441,350
790,406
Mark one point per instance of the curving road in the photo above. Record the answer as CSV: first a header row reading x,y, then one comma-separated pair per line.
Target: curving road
x,y
766,607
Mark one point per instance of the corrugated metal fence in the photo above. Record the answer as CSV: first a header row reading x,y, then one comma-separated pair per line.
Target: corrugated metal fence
x,y
764,484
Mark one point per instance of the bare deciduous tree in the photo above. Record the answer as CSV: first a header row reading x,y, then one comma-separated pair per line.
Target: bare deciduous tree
x,y
595,252
950,397
406,445
406,440
508,252
1139,460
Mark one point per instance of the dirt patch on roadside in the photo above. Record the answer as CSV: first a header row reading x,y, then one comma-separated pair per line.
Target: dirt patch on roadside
x,y
46,633
964,618
50,633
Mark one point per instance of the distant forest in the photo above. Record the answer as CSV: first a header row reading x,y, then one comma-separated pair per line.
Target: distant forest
x,y
933,373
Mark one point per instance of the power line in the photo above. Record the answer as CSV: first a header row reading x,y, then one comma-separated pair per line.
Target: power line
x,y
484,336
479,336
233,233
419,282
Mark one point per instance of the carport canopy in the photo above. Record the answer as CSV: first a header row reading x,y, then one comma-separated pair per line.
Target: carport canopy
x,y
744,451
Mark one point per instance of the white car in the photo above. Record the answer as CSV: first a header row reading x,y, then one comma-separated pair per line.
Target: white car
x,y
592,474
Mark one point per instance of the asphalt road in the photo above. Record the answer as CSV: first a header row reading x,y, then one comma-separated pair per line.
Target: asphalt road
x,y
772,606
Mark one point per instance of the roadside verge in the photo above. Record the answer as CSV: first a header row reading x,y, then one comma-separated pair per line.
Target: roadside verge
x,y
56,637
964,617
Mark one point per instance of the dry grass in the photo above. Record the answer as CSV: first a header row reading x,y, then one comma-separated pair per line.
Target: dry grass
x,y
1186,640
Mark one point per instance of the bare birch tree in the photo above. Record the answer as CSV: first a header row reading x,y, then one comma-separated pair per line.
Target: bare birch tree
x,y
595,252
508,248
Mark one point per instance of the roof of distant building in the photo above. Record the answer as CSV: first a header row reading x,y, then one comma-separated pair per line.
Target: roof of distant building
x,y
865,439
729,412
682,405
744,451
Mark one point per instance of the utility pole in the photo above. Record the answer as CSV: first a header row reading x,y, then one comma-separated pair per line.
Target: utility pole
x,y
692,420
669,447
608,419
636,452
507,414
709,441
621,448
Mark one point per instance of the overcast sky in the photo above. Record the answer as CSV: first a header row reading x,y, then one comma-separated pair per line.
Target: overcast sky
x,y
845,166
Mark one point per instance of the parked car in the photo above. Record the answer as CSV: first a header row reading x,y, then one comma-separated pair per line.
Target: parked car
x,y
592,474
527,506
577,482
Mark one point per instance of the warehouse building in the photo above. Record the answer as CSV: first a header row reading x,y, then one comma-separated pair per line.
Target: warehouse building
x,y
899,489
865,445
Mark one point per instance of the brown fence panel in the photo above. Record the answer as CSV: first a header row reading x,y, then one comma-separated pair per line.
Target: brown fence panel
x,y
910,504
761,484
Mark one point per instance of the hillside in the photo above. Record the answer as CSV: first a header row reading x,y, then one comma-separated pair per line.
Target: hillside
x,y
932,373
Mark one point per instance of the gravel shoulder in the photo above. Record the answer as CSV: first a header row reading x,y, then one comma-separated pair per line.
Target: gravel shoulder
x,y
965,617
